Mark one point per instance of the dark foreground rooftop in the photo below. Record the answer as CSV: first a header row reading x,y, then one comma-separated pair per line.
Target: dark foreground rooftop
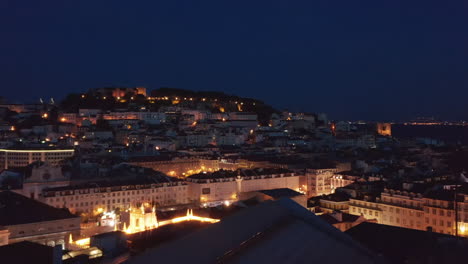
x,y
402,245
16,209
26,252
280,193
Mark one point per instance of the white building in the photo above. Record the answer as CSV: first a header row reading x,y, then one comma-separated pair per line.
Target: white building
x,y
10,158
221,186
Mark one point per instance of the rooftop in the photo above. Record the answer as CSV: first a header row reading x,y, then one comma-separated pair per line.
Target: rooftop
x,y
239,172
27,252
402,245
280,193
16,209
272,232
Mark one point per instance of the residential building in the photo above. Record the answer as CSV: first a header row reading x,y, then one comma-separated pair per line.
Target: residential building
x,y
20,157
319,181
220,186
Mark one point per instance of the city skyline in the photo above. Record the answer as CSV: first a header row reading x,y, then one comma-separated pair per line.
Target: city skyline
x,y
233,132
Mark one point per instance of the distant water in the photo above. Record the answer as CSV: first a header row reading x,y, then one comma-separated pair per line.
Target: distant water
x,y
449,134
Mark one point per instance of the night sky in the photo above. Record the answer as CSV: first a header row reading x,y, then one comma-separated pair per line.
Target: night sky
x,y
352,59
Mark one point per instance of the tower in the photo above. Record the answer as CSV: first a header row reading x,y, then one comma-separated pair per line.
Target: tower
x,y
384,129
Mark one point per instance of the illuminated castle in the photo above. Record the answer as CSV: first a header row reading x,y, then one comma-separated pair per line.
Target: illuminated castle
x,y
384,129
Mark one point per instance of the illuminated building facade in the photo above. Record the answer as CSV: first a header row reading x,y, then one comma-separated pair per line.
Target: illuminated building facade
x,y
10,158
93,199
415,211
222,186
319,181
147,117
118,92
338,181
141,219
176,167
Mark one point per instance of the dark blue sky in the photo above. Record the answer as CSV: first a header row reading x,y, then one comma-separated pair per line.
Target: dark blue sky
x,y
352,59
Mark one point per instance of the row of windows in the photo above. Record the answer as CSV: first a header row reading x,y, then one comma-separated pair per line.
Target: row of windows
x,y
402,202
441,222
364,211
114,205
57,199
42,229
124,193
442,212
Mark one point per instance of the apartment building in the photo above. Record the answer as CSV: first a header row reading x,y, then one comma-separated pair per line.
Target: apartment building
x,y
319,181
435,210
226,186
20,157
98,197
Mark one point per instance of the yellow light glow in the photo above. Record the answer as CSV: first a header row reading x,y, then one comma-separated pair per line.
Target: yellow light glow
x,y
83,242
188,217
45,115
12,128
63,119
